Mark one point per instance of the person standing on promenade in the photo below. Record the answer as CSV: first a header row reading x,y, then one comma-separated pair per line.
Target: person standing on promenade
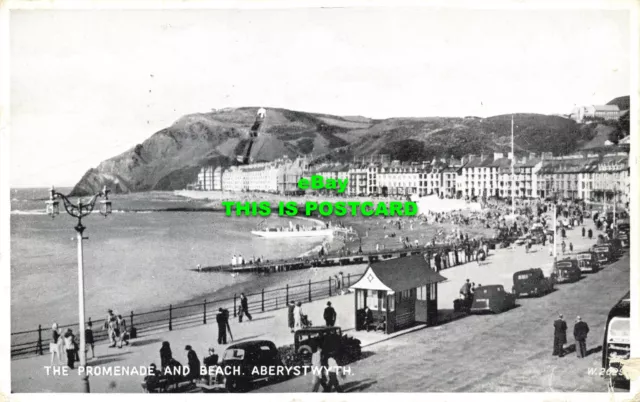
x,y
297,315
244,308
88,339
559,336
583,231
56,345
580,331
290,317
341,277
70,347
193,363
222,327
329,315
124,334
564,247
110,325
570,247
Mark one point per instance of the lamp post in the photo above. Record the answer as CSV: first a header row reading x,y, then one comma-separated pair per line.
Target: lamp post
x,y
79,211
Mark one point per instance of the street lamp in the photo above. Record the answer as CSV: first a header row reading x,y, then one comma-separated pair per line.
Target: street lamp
x,y
79,211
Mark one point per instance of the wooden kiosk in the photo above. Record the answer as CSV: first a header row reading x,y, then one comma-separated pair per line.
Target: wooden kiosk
x,y
401,292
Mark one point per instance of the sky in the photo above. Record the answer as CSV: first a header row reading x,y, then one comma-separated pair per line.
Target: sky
x,y
89,85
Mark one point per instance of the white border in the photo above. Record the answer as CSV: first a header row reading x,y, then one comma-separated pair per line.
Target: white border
x,y
5,5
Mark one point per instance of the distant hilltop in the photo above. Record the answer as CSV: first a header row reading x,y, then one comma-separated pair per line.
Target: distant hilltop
x,y
172,157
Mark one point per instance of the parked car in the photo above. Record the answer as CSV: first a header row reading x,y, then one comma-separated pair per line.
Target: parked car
x,y
246,364
616,246
604,252
567,270
624,237
492,298
344,347
588,262
531,282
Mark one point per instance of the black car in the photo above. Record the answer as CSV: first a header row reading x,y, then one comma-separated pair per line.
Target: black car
x,y
331,339
531,282
246,364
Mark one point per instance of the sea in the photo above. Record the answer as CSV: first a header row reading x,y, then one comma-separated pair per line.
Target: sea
x,y
140,258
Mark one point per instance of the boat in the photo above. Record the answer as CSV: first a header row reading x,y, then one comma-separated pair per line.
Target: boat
x,y
274,233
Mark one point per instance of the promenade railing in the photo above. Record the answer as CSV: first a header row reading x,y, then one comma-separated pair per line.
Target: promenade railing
x,y
36,342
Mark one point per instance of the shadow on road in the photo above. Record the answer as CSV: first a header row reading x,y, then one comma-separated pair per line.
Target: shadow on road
x,y
569,349
245,338
107,359
358,386
446,316
597,349
145,342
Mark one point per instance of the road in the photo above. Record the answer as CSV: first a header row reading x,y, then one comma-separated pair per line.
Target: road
x,y
508,352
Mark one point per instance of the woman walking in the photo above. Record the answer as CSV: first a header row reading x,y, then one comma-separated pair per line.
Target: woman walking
x,y
55,347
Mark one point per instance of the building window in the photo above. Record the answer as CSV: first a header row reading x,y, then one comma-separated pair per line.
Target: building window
x,y
432,291
372,299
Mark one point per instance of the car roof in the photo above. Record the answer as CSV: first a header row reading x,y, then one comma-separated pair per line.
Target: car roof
x,y
251,344
527,271
316,329
490,287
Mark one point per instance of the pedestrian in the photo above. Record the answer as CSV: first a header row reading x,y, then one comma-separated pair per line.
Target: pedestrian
x,y
329,315
56,345
122,328
341,277
337,282
166,356
564,233
225,314
580,331
290,316
564,246
297,315
70,347
244,308
193,363
110,327
590,234
583,231
333,370
368,318
559,336
222,327
317,369
88,340
212,359
570,247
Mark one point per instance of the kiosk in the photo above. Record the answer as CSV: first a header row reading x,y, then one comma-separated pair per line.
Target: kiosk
x,y
399,292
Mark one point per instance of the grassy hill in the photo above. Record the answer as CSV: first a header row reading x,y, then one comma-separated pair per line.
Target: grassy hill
x,y
171,158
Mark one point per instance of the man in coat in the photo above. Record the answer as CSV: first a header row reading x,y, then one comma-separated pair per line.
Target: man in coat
x,y
559,336
244,308
329,315
580,331
221,319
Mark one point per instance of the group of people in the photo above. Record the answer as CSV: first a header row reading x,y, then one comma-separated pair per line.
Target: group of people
x,y
64,344
580,331
67,344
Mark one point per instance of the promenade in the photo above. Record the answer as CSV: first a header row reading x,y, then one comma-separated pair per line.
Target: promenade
x,y
30,375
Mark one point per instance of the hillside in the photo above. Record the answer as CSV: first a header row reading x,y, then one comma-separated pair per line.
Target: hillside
x,y
172,157
623,102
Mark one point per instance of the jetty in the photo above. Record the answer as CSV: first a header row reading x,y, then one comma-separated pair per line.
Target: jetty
x,y
452,256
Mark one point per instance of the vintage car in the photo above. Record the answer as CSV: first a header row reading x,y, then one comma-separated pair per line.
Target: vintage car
x,y
616,246
492,298
567,270
624,237
345,348
604,253
588,262
531,282
246,364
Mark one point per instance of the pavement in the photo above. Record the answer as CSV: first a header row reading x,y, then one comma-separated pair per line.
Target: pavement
x,y
466,353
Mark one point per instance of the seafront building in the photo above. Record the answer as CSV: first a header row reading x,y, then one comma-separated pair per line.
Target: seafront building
x,y
593,177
